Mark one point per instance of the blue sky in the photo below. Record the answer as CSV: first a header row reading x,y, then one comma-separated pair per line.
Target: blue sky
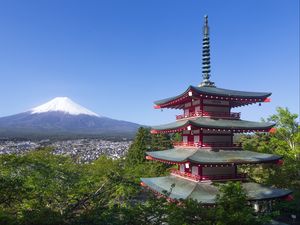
x,y
116,57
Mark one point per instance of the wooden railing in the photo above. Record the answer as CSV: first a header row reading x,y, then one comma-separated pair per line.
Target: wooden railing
x,y
210,177
186,144
185,174
231,115
191,114
206,144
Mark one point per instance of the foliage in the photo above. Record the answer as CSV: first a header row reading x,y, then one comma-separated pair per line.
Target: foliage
x,y
287,208
285,142
145,141
40,185
40,180
287,128
136,163
42,188
176,137
141,144
161,142
232,206
190,212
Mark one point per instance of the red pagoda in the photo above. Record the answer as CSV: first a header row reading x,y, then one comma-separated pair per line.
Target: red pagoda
x,y
207,152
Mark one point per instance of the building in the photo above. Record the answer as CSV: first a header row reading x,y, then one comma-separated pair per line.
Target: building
x,y
207,153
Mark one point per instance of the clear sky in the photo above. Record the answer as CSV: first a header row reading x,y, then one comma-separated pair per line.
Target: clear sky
x,y
116,57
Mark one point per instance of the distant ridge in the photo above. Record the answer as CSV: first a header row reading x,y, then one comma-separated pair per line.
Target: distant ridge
x,y
62,116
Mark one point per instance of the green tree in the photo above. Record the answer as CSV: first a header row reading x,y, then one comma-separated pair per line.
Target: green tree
x,y
161,142
287,131
190,212
37,183
233,207
141,143
136,164
43,188
284,142
176,137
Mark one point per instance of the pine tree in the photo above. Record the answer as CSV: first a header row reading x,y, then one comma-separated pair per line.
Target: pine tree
x,y
176,137
142,143
160,142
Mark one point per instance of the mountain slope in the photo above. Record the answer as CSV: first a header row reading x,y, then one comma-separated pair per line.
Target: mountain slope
x,y
62,104
63,116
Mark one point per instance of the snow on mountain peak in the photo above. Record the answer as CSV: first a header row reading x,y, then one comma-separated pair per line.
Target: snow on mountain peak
x,y
62,104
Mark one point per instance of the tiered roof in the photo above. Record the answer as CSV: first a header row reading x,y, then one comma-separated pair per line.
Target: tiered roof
x,y
209,123
206,192
204,157
236,98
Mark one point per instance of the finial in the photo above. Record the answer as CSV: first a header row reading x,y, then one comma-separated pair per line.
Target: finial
x,y
205,27
206,56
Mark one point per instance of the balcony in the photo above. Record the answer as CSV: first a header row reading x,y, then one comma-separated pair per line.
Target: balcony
x,y
207,144
186,175
231,115
240,176
186,144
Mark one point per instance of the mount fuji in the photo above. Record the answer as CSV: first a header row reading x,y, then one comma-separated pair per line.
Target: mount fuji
x,y
63,117
62,104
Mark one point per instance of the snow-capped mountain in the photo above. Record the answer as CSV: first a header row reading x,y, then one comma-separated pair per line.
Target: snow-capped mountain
x,y
62,116
63,104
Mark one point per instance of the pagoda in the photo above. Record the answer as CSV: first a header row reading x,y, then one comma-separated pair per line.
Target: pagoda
x,y
207,153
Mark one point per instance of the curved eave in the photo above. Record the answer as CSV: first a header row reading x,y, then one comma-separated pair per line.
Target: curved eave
x,y
236,157
171,101
212,158
238,98
173,155
238,126
264,193
221,92
205,192
175,162
175,126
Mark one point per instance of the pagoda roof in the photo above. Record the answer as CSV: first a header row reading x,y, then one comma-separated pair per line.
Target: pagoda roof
x,y
207,157
206,192
203,122
214,91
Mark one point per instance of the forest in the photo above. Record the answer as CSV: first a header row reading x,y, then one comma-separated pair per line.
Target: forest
x,y
42,188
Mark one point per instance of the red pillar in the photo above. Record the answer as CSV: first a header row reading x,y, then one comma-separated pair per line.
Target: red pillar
x,y
201,105
200,171
201,137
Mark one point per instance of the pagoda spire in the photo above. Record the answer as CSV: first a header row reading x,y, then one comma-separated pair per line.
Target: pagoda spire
x,y
206,57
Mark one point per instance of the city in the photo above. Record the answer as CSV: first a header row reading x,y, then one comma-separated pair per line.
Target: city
x,y
81,150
